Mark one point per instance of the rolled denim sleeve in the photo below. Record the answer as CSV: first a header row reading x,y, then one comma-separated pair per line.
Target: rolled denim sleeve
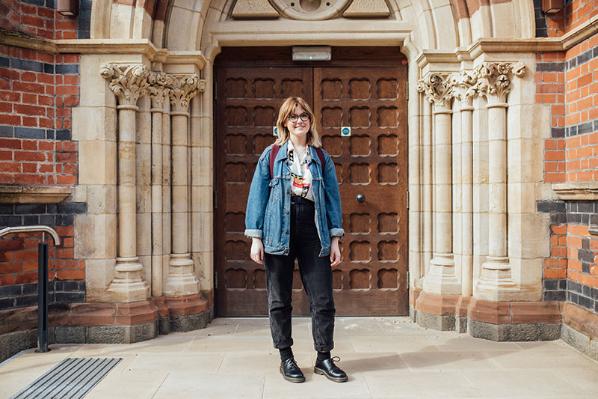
x,y
259,193
334,213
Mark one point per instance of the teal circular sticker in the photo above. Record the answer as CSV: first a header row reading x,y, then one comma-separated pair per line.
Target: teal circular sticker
x,y
345,131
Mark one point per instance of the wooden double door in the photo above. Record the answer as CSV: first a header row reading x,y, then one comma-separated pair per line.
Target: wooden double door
x,y
366,93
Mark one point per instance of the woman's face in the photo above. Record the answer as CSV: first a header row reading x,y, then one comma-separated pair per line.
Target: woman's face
x,y
298,123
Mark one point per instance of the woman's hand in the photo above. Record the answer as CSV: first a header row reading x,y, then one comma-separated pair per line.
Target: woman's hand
x,y
257,251
335,252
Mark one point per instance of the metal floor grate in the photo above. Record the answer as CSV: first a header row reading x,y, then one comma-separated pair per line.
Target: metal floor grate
x,y
72,378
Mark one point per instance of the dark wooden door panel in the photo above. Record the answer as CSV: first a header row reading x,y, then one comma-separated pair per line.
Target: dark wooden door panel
x,y
372,279
371,162
247,108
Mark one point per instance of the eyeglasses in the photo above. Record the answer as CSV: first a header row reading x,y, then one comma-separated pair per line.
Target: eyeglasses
x,y
304,117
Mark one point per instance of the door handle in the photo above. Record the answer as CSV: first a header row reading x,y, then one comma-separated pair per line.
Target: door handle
x,y
360,198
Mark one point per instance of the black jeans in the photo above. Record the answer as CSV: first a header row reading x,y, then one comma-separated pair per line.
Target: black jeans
x,y
316,276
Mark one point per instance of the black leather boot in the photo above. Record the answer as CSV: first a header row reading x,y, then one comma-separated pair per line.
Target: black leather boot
x,y
327,368
290,371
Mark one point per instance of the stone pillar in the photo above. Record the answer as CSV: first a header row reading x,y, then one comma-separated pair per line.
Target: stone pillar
x,y
128,82
427,185
494,83
158,95
144,195
441,277
465,93
416,268
181,278
166,198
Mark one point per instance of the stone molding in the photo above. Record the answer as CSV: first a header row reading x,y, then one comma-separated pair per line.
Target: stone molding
x,y
312,10
577,190
27,194
487,79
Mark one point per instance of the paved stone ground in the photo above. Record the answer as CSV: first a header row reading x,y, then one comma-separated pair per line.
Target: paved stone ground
x,y
384,357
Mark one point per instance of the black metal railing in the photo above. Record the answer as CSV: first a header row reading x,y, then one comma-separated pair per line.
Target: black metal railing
x,y
42,278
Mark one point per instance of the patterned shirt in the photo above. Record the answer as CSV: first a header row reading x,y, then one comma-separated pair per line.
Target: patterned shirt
x,y
300,174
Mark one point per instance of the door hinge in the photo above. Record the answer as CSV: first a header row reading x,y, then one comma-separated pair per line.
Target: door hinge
x,y
407,193
407,90
215,89
215,279
215,198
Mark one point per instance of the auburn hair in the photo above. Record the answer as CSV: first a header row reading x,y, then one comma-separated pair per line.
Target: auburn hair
x,y
286,109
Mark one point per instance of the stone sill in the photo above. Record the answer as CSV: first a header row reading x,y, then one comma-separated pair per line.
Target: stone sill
x,y
577,191
18,194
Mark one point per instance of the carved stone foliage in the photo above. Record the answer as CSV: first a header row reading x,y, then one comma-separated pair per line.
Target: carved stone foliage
x,y
158,89
488,79
463,86
127,81
495,78
131,81
437,87
182,89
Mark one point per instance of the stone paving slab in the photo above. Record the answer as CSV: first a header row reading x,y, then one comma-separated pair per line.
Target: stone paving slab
x,y
384,357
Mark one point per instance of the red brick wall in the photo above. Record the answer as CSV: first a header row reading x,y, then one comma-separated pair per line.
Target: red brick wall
x,y
581,96
575,13
31,19
45,162
550,84
566,83
37,93
18,258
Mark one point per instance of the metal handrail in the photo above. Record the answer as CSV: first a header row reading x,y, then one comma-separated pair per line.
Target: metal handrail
x,y
42,279
32,229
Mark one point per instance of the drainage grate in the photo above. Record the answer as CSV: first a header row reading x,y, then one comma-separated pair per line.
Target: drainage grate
x,y
72,378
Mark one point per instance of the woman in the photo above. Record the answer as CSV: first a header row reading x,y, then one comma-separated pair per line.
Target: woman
x,y
294,211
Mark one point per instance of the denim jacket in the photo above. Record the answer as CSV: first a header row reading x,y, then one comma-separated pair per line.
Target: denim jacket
x,y
269,203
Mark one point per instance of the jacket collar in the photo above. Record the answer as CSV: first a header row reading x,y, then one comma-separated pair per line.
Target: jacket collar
x,y
282,153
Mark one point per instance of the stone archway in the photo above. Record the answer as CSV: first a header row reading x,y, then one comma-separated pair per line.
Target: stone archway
x,y
472,97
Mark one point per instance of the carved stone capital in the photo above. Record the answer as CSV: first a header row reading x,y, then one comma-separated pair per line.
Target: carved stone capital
x,y
182,89
463,87
158,88
127,81
494,79
438,88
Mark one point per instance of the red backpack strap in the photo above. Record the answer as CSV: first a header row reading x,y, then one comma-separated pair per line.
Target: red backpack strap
x,y
321,156
273,153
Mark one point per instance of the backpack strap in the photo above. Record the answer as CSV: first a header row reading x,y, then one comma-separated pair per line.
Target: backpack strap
x,y
321,156
276,148
273,153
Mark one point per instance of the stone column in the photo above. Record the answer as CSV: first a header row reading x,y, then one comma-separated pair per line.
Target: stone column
x,y
181,278
158,95
166,192
494,83
416,271
441,278
427,185
465,93
128,82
